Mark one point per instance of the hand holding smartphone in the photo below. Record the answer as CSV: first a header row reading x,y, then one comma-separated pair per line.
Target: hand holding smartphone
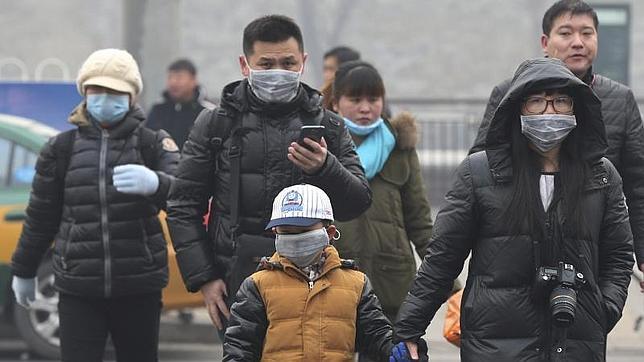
x,y
315,133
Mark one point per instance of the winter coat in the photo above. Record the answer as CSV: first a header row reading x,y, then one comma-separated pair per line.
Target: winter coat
x,y
266,132
177,118
279,316
106,243
504,316
625,135
379,239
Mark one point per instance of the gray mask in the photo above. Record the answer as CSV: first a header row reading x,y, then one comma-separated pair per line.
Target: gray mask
x,y
546,131
302,249
274,85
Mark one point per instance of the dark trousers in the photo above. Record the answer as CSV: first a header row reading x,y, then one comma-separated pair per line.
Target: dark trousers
x,y
131,321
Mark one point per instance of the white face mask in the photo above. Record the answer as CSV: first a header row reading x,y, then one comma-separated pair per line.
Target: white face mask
x,y
274,85
546,131
302,249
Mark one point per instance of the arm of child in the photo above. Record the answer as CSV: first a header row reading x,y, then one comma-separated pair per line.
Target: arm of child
x,y
247,325
374,330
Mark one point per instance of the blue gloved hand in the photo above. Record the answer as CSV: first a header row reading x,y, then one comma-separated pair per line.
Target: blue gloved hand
x,y
400,353
135,179
24,290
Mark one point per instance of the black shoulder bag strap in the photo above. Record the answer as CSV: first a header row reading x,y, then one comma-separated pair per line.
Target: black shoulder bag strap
x,y
234,154
63,146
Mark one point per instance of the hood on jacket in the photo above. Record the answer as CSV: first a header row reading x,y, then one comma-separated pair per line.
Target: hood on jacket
x,y
406,129
533,76
238,96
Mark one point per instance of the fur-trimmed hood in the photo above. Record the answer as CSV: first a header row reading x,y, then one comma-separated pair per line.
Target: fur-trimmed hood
x,y
405,128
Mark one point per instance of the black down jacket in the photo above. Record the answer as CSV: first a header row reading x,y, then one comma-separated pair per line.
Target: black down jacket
x,y
267,131
106,243
503,317
625,135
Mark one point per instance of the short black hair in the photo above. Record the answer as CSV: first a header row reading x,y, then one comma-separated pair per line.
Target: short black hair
x,y
273,29
357,78
343,54
574,7
183,64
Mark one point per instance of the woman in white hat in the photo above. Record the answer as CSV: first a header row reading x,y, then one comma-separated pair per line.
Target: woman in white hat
x,y
96,194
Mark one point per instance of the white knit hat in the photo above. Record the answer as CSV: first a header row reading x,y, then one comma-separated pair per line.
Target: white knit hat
x,y
300,205
110,68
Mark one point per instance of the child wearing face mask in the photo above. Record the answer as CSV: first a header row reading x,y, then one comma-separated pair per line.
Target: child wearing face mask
x,y
305,303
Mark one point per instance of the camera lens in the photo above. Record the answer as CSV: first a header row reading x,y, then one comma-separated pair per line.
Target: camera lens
x,y
563,302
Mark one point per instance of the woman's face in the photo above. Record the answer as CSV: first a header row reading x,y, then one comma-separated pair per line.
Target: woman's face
x,y
362,110
553,103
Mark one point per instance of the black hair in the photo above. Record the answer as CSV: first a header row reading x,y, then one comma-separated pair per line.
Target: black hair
x,y
357,78
273,29
526,166
574,7
183,64
343,54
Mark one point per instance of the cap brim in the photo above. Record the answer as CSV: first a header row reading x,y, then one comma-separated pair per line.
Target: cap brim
x,y
292,221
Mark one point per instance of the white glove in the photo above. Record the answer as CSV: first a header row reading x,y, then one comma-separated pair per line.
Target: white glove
x,y
135,179
25,290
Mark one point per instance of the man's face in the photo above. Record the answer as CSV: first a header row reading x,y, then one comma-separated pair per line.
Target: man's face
x,y
181,85
329,67
573,39
284,55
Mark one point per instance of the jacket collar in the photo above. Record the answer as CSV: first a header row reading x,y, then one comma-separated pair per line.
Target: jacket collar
x,y
332,261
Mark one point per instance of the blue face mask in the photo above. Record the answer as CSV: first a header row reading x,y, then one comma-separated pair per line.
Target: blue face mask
x,y
360,130
108,109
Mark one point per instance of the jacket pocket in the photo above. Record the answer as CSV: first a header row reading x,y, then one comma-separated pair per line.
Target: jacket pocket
x,y
66,244
391,278
144,243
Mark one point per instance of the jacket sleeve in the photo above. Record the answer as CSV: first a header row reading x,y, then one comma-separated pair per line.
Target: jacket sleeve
x,y
166,167
342,178
374,331
416,211
43,215
450,244
188,203
247,325
615,251
632,171
493,102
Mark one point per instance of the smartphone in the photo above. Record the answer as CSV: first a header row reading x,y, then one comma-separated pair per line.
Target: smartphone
x,y
313,132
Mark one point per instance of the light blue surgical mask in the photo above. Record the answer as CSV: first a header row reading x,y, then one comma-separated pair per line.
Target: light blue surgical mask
x,y
302,249
361,130
108,109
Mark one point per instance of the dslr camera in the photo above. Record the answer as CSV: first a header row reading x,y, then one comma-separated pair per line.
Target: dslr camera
x,y
564,281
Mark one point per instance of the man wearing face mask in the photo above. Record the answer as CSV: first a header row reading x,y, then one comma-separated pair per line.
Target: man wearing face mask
x,y
570,33
305,289
244,153
96,194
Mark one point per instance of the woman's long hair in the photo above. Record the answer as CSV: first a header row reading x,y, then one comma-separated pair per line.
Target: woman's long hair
x,y
526,166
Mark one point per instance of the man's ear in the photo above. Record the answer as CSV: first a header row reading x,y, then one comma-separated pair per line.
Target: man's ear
x,y
304,58
544,44
243,66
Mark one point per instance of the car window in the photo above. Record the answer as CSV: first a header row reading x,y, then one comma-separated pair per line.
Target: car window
x,y
5,152
23,167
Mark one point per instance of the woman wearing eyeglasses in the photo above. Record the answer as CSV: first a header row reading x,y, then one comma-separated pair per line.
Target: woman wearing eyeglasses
x,y
543,214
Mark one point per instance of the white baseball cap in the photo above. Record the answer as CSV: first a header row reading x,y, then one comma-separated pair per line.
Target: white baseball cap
x,y
300,205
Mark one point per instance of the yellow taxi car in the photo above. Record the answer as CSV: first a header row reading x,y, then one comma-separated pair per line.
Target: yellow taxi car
x,y
20,143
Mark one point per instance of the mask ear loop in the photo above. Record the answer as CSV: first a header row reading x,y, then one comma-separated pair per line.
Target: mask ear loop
x,y
336,236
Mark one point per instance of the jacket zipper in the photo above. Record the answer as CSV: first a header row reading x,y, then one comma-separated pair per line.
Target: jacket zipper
x,y
102,190
144,240
63,258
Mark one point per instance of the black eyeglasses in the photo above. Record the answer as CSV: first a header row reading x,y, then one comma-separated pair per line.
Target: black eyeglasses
x,y
539,104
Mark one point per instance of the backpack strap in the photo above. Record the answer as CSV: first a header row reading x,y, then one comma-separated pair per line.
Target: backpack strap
x,y
148,147
63,146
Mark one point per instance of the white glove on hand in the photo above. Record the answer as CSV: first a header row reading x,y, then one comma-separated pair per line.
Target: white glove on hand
x,y
135,179
25,290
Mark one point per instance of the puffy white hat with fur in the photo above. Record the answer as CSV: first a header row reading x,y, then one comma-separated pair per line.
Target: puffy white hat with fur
x,y
110,68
